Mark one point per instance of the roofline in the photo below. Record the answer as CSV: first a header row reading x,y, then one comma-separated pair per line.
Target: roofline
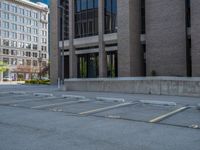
x,y
32,4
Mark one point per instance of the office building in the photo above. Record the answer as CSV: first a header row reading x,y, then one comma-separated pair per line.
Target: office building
x,y
23,38
126,38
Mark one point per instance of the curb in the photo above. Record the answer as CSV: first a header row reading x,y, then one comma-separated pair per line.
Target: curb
x,y
110,99
158,102
43,94
73,96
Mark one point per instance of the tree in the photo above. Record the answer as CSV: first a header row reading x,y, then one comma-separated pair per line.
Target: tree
x,y
44,70
3,67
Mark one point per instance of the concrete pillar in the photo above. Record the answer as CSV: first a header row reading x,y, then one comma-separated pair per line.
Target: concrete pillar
x,y
166,37
195,37
54,37
102,52
72,55
129,47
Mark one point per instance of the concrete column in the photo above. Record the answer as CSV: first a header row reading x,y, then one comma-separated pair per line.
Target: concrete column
x,y
129,47
166,37
54,37
102,52
72,55
195,37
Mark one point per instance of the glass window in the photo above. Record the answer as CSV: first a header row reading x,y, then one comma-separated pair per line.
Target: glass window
x,y
28,46
6,60
83,4
78,5
28,62
90,4
108,4
96,3
35,46
86,21
13,44
88,65
5,42
110,16
35,63
5,51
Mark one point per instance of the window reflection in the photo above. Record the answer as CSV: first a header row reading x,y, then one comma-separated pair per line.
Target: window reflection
x,y
110,16
86,18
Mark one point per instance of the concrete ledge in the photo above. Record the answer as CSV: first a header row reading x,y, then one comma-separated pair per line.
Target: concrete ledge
x,y
179,86
73,96
110,99
158,102
18,93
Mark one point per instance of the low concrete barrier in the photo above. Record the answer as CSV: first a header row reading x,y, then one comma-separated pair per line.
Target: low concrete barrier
x,y
179,86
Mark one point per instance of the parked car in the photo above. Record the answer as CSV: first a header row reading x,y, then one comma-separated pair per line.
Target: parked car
x,y
7,79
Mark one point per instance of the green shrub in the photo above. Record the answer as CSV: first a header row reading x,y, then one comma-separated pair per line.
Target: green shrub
x,y
37,82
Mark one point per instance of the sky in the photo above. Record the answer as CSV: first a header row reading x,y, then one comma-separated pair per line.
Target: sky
x,y
43,1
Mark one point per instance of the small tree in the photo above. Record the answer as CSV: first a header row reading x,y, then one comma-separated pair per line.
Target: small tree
x,y
45,70
3,67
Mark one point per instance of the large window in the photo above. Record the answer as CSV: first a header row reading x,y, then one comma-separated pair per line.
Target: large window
x,y
65,4
86,18
110,16
112,64
88,66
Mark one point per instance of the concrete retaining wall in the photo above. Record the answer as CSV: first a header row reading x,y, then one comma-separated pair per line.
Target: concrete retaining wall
x,y
142,85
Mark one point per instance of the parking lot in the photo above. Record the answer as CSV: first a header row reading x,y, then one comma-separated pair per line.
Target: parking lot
x,y
131,122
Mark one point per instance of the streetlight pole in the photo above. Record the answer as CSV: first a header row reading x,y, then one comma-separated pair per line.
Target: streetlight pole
x,y
63,40
40,65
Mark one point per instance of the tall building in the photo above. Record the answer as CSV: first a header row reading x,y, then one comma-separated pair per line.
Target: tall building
x,y
23,38
127,38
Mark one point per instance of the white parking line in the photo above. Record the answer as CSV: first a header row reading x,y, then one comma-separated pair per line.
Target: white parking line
x,y
160,118
105,108
58,104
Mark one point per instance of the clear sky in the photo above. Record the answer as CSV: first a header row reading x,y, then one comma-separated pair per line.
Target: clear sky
x,y
43,1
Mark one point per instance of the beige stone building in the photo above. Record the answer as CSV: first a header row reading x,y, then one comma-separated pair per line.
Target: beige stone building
x,y
23,38
125,38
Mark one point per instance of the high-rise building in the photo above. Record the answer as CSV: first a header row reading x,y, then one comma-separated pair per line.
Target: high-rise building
x,y
23,38
127,38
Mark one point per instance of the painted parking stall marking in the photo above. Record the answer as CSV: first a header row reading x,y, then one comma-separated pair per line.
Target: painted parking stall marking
x,y
58,104
162,117
105,108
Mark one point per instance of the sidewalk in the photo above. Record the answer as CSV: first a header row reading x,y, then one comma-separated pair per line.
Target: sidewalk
x,y
11,82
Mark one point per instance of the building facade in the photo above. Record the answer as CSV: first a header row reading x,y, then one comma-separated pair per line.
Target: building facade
x,y
115,38
23,38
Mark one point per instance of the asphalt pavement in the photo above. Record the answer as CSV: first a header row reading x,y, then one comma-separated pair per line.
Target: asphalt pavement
x,y
45,118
